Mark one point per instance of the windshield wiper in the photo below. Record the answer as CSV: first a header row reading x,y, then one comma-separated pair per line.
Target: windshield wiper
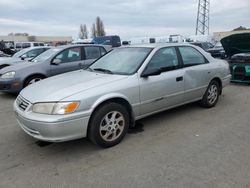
x,y
104,70
88,68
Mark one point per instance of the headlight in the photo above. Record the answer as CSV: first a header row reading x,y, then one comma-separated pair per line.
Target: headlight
x,y
8,75
55,108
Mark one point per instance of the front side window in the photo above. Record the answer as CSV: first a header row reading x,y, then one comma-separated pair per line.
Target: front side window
x,y
69,55
191,56
164,59
123,61
92,52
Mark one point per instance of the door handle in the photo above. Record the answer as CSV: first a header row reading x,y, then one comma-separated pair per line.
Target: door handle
x,y
178,79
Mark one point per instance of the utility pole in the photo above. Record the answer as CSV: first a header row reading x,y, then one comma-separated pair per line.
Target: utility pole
x,y
202,22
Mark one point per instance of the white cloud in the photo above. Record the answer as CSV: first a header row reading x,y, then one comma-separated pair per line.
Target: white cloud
x,y
127,18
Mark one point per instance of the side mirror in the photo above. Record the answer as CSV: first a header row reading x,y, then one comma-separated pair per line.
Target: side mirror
x,y
150,72
56,61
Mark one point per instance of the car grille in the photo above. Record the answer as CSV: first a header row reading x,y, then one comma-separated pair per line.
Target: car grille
x,y
22,103
239,73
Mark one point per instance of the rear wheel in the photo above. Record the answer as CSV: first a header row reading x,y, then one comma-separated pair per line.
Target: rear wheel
x,y
211,95
32,80
109,125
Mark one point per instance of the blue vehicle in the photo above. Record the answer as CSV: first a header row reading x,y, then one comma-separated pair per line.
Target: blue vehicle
x,y
112,40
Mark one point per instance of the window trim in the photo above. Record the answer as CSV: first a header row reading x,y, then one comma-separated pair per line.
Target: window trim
x,y
182,62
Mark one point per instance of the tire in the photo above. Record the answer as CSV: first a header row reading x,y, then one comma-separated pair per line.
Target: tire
x,y
32,80
108,125
211,96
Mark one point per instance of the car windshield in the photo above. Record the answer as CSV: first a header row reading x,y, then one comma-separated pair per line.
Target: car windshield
x,y
45,55
20,53
123,61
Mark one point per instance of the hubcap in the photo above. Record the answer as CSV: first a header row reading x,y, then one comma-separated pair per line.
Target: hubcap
x,y
112,126
212,94
34,80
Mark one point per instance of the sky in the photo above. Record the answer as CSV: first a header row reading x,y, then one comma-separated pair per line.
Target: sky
x,y
127,18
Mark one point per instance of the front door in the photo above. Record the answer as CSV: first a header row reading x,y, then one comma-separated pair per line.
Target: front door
x,y
68,60
162,91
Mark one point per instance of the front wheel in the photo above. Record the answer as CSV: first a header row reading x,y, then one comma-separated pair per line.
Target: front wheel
x,y
211,95
109,125
33,80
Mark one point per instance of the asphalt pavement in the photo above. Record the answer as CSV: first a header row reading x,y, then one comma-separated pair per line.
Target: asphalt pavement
x,y
188,146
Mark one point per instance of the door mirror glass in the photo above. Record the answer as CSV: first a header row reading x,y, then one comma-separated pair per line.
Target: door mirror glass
x,y
56,61
151,72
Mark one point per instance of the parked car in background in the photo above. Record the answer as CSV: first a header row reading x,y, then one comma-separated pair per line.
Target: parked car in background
x,y
204,45
21,45
215,50
127,84
112,40
25,54
54,61
237,48
2,54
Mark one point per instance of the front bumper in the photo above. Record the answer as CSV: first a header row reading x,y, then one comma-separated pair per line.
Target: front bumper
x,y
10,85
50,128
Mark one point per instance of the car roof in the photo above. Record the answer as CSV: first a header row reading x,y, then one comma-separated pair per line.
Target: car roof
x,y
77,45
157,45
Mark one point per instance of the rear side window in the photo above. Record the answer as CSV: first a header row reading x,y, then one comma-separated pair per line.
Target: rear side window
x,y
92,52
41,44
191,56
26,45
18,45
36,44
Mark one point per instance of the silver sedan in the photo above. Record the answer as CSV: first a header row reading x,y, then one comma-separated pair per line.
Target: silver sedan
x,y
125,85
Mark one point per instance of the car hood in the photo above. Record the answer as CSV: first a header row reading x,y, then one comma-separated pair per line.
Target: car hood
x,y
237,43
62,86
17,66
9,60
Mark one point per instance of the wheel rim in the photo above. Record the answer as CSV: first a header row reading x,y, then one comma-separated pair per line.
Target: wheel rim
x,y
112,126
34,80
212,94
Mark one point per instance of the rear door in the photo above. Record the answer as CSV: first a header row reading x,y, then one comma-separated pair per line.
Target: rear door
x,y
197,72
67,60
91,53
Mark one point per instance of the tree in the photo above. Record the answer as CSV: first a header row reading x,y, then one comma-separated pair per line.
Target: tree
x,y
93,31
98,28
83,34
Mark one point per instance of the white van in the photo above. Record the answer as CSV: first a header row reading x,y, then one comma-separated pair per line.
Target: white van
x,y
21,45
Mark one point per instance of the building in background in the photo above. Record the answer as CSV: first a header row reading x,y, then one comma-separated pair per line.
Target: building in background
x,y
51,40
220,35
